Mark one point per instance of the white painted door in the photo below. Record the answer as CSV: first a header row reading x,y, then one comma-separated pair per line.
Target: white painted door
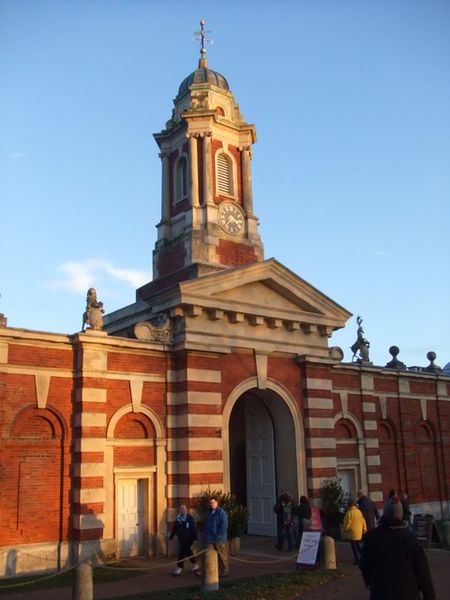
x,y
348,481
128,517
260,468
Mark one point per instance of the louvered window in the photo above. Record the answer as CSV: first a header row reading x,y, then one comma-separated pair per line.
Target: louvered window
x,y
224,174
181,183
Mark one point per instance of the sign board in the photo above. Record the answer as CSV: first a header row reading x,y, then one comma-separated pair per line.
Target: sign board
x,y
425,530
307,553
316,521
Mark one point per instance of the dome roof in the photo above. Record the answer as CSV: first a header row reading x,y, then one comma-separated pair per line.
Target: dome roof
x,y
203,75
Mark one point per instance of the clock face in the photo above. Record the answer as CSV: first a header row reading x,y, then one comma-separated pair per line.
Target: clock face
x,y
230,217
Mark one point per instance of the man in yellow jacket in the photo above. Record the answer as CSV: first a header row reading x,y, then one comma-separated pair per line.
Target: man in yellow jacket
x,y
354,527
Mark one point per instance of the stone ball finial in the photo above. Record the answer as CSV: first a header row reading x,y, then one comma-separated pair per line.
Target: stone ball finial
x,y
336,353
432,367
394,351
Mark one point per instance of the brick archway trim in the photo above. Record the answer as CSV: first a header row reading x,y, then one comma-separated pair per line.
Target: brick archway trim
x,y
145,410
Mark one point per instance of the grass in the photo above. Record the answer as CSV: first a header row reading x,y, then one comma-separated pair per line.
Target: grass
x,y
8,586
278,586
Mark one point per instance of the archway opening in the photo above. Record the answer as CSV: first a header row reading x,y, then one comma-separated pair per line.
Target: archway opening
x,y
263,456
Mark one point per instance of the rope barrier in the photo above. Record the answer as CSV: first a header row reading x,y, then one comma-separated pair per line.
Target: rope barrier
x,y
54,559
149,568
174,562
282,559
45,577
263,562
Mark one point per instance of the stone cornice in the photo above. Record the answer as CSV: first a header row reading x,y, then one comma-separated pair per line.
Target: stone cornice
x,y
380,370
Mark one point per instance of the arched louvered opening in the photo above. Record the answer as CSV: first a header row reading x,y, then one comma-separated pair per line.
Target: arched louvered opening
x,y
224,174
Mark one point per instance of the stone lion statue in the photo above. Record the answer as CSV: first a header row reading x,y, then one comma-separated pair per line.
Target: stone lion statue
x,y
93,315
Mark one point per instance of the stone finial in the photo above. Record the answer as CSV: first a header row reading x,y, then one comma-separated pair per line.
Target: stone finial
x,y
361,345
432,368
395,363
93,315
202,37
336,353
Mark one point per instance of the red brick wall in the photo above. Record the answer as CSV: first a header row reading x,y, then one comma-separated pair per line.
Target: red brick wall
x,y
37,356
36,443
142,363
411,456
35,449
134,426
234,254
35,477
134,456
171,258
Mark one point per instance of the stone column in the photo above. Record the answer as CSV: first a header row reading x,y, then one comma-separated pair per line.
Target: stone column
x,y
247,180
165,188
193,150
207,168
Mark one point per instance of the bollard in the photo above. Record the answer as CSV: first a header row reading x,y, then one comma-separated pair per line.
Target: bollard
x,y
83,587
329,553
210,571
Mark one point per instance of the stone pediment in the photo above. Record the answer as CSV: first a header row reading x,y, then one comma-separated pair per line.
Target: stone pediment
x,y
263,307
266,289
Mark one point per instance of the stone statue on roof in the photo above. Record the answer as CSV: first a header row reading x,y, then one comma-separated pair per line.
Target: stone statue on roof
x,y
93,315
361,345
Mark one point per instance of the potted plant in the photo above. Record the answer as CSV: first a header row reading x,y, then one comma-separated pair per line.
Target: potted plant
x,y
333,501
237,515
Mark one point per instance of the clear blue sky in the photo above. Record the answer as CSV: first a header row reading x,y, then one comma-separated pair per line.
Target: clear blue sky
x,y
351,171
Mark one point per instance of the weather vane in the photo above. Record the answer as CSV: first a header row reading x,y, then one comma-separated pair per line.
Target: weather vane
x,y
202,37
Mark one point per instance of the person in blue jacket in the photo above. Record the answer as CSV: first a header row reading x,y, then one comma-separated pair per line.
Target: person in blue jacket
x,y
216,529
185,530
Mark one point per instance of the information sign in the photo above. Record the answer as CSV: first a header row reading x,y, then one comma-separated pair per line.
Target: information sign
x,y
425,530
307,553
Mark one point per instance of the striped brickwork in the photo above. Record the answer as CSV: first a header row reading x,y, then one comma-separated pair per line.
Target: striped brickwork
x,y
194,445
320,442
370,431
90,422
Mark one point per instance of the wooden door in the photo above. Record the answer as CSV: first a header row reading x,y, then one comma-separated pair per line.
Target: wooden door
x,y
260,468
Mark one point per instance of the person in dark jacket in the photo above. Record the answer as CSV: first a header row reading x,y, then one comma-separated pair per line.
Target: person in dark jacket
x,y
216,534
368,509
388,509
304,517
407,514
284,509
392,563
185,530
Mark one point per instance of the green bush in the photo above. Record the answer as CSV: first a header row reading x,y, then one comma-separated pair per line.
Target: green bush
x,y
334,500
237,513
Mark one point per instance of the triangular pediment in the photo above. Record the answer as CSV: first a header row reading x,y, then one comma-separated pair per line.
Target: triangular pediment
x,y
268,289
264,293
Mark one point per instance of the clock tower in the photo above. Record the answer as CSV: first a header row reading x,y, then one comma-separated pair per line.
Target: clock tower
x,y
207,220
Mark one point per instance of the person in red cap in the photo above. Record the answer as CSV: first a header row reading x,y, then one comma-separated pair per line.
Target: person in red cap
x,y
392,563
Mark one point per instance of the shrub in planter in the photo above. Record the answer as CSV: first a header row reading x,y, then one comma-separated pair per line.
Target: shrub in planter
x,y
333,502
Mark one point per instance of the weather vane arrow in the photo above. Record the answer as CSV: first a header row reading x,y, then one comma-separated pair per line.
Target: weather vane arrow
x,y
202,37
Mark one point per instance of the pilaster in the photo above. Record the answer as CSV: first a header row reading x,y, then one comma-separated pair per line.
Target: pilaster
x,y
89,425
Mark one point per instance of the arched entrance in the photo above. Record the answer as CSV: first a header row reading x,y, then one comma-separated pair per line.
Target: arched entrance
x,y
263,450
